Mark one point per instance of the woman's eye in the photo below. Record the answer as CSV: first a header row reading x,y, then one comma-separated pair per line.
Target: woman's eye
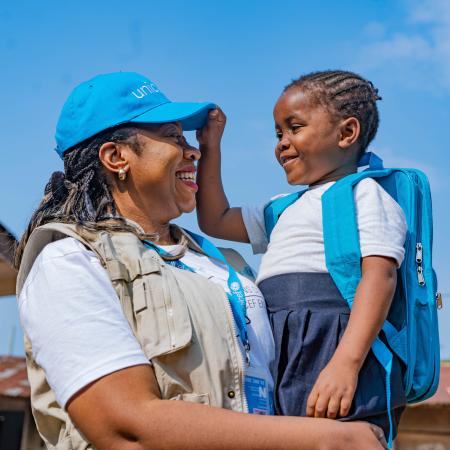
x,y
295,128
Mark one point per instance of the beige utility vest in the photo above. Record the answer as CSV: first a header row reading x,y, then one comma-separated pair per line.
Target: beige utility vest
x,y
182,321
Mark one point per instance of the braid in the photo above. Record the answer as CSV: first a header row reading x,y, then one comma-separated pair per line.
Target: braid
x,y
81,194
344,94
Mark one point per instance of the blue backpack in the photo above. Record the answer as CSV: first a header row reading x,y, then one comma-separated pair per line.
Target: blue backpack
x,y
411,329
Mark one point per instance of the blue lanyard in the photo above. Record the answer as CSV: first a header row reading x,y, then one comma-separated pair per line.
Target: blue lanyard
x,y
236,296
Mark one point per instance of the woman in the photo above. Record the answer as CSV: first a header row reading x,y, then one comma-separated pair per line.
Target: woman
x,y
123,311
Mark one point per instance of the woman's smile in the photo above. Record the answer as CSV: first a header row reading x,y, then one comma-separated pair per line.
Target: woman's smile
x,y
187,176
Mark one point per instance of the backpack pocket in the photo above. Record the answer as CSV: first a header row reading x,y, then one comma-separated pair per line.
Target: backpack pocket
x,y
423,347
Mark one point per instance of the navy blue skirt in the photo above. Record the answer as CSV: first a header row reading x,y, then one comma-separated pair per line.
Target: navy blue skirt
x,y
308,317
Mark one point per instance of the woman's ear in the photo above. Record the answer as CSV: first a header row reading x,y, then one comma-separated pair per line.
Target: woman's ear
x,y
114,158
350,130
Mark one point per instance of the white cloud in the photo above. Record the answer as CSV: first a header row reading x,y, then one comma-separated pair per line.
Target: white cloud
x,y
375,30
431,11
421,50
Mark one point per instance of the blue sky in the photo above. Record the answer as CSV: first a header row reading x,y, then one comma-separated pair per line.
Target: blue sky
x,y
239,55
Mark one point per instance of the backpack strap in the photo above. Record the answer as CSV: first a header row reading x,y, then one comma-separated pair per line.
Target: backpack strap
x,y
276,207
342,250
343,253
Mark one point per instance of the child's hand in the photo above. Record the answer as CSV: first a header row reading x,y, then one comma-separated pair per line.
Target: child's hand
x,y
210,135
333,391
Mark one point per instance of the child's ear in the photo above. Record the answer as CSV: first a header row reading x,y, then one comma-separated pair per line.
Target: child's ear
x,y
349,129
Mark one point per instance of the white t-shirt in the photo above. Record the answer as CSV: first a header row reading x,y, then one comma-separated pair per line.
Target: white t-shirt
x,y
73,317
296,243
262,347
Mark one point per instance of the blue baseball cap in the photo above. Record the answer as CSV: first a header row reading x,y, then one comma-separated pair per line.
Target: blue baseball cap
x,y
117,98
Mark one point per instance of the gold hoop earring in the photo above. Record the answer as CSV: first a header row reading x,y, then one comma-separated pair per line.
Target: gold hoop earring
x,y
122,174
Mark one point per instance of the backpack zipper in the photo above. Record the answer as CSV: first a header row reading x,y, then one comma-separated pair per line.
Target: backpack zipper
x,y
419,246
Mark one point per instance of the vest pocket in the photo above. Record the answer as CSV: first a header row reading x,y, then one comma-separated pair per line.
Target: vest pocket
x,y
162,317
193,398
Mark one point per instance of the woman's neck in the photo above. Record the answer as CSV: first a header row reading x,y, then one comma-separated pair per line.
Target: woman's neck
x,y
159,228
163,235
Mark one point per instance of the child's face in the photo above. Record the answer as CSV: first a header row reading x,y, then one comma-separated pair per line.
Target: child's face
x,y
308,147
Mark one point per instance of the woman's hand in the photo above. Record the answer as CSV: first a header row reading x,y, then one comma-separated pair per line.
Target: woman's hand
x,y
359,435
210,135
333,392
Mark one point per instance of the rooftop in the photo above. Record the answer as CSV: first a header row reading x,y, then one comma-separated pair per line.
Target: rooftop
x,y
13,377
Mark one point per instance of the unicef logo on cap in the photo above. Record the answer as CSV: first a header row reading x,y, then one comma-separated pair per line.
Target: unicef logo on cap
x,y
234,286
145,89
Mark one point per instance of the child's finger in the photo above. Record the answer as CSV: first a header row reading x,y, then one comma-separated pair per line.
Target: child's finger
x,y
213,113
321,406
311,403
345,406
333,407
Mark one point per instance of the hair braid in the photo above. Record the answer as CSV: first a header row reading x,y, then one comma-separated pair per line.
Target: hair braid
x,y
345,94
82,193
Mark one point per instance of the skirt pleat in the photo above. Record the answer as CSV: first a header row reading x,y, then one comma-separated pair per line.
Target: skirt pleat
x,y
308,317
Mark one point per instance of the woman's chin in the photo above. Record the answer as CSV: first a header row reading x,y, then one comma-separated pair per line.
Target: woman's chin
x,y
188,206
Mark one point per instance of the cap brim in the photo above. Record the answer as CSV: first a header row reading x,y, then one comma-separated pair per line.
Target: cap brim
x,y
191,115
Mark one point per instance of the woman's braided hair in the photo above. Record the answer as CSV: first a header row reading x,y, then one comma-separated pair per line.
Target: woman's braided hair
x,y
344,94
82,194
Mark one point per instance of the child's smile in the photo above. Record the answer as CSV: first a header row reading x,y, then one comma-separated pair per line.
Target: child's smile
x,y
309,140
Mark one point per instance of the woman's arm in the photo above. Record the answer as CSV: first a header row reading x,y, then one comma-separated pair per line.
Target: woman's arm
x,y
333,391
215,217
123,411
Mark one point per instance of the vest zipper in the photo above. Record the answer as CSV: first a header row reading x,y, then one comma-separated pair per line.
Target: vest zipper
x,y
242,367
168,304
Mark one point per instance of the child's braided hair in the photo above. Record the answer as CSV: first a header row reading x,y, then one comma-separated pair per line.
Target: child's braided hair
x,y
344,94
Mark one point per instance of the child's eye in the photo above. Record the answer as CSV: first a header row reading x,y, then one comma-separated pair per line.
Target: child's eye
x,y
295,128
278,134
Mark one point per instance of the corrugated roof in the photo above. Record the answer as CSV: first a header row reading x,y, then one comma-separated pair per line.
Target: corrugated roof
x,y
13,377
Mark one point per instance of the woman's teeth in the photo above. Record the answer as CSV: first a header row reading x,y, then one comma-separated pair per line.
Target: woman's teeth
x,y
188,176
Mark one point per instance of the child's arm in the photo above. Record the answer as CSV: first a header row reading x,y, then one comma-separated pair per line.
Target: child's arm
x,y
335,387
215,217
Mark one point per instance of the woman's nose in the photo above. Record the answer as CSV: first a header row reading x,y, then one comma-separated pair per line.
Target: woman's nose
x,y
191,152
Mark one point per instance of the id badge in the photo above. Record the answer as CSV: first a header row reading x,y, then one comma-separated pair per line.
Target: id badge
x,y
259,397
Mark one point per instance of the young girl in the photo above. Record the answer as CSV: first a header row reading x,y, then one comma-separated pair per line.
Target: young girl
x,y
324,122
